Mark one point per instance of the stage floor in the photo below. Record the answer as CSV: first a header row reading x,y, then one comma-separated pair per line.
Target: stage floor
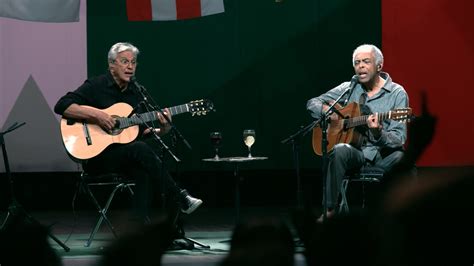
x,y
208,226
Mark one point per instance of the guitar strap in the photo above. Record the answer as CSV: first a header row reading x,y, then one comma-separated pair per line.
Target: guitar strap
x,y
364,110
362,99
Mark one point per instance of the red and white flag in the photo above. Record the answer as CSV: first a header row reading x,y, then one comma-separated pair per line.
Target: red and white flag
x,y
147,10
41,10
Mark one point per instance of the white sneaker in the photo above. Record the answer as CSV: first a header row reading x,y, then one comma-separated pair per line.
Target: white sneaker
x,y
189,203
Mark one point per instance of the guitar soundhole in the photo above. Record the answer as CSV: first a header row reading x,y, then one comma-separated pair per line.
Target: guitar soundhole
x,y
116,131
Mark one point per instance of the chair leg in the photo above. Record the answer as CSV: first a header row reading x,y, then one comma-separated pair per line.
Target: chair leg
x,y
344,206
363,195
102,211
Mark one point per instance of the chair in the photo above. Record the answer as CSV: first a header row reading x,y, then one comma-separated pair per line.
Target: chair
x,y
370,174
119,183
367,174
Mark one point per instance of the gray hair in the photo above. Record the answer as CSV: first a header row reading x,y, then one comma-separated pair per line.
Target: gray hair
x,y
369,48
120,47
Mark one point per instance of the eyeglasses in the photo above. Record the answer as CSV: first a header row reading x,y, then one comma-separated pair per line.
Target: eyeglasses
x,y
126,62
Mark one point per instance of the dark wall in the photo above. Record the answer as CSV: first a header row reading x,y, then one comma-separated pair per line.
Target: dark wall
x,y
259,62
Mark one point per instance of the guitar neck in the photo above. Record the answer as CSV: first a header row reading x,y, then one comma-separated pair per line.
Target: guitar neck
x,y
362,120
139,119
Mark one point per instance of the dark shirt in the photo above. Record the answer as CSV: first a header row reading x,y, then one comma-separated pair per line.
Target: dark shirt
x,y
100,92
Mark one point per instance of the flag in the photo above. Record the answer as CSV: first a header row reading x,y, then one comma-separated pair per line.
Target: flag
x,y
41,10
147,10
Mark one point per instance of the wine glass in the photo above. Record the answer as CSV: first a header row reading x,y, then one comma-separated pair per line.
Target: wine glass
x,y
249,139
216,139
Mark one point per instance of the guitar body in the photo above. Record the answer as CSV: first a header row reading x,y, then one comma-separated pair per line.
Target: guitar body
x,y
84,141
336,132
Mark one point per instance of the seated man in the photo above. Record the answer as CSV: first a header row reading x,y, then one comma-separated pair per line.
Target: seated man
x,y
136,159
383,141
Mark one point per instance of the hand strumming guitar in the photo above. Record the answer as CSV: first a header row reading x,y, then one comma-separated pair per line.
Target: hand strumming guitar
x,y
102,119
92,115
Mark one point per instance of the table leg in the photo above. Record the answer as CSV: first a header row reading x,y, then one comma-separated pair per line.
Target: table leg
x,y
237,192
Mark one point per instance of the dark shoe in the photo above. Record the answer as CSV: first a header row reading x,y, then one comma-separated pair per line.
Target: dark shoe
x,y
188,203
329,215
179,244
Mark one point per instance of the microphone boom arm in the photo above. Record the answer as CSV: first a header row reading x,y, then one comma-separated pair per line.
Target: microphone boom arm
x,y
145,95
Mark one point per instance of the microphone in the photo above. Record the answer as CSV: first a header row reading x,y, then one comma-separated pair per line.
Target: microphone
x,y
354,81
133,80
141,91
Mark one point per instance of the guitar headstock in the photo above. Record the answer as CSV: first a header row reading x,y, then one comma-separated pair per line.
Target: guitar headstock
x,y
200,107
403,115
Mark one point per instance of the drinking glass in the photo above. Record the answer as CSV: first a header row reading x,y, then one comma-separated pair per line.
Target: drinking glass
x,y
216,139
249,140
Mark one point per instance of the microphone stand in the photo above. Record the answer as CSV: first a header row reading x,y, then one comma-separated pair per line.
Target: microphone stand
x,y
145,95
155,107
15,209
324,123
295,139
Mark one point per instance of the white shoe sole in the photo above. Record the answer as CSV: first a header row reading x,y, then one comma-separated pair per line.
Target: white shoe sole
x,y
193,207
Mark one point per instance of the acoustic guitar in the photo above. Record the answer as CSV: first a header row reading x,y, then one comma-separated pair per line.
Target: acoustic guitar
x,y
83,140
341,130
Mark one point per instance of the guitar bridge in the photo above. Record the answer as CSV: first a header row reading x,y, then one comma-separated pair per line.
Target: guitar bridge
x,y
86,133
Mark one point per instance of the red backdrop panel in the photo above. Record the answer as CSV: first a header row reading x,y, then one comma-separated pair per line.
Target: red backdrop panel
x,y
428,46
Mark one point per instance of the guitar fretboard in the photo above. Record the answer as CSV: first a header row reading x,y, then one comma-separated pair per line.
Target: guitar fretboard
x,y
138,119
362,120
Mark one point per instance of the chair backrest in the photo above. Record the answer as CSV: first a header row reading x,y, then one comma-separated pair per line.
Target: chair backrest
x,y
104,179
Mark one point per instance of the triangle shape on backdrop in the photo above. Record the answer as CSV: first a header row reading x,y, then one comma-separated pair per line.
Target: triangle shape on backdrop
x,y
37,146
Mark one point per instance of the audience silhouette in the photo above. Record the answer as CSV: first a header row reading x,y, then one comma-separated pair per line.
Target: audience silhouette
x,y
26,243
430,221
144,247
261,241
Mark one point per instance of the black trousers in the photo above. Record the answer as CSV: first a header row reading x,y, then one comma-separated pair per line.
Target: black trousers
x,y
138,161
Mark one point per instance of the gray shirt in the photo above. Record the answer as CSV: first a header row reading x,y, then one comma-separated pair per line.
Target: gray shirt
x,y
390,97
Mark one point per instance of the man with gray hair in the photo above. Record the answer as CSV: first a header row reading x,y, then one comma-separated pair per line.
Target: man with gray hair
x,y
136,158
382,142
